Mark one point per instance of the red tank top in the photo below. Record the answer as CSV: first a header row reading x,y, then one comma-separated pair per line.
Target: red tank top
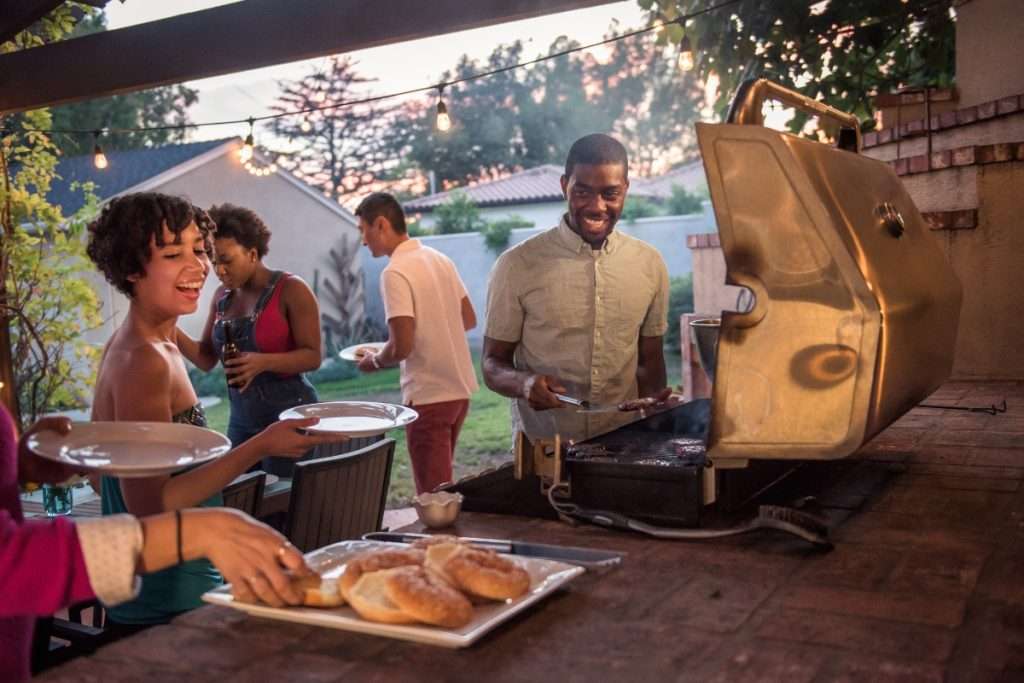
x,y
273,335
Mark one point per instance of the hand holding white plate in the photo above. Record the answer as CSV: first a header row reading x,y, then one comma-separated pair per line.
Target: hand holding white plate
x,y
356,352
353,418
131,449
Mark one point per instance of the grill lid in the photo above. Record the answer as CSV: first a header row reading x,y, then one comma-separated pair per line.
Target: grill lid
x,y
856,308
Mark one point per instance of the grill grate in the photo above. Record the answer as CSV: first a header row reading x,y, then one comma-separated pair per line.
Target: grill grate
x,y
660,449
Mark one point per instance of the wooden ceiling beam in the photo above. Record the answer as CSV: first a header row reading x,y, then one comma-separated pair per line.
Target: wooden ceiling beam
x,y
238,37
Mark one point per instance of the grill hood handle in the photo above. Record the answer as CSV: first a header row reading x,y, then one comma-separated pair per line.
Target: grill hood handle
x,y
748,101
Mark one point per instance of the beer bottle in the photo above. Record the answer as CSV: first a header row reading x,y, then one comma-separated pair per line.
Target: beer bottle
x,y
230,348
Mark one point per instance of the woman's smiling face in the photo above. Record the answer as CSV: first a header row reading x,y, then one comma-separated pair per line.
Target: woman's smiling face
x,y
174,274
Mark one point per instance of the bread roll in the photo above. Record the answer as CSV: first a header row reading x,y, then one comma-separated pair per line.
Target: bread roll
x,y
369,598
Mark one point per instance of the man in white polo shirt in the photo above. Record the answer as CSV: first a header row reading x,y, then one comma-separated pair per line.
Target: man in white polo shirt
x,y
428,312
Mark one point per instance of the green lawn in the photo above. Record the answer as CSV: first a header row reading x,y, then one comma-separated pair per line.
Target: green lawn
x,y
486,437
485,440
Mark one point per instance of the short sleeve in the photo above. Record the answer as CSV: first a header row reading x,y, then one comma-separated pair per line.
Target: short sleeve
x,y
656,321
396,292
504,309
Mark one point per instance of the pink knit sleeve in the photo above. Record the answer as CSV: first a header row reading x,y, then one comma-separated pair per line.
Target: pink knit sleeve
x,y
41,566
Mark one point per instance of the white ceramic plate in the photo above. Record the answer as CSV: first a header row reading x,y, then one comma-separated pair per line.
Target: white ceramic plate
x,y
353,418
131,449
355,352
545,577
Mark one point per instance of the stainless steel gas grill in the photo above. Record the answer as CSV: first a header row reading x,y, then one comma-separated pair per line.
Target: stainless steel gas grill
x,y
853,322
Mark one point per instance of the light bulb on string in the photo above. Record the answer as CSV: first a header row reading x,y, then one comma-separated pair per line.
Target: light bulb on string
x,y
245,154
99,159
444,122
320,96
685,60
305,126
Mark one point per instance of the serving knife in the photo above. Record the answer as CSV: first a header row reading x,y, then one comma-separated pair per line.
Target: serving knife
x,y
584,557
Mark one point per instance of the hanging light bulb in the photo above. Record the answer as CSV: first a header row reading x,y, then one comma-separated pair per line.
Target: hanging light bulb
x,y
245,154
444,122
305,126
685,60
320,96
99,159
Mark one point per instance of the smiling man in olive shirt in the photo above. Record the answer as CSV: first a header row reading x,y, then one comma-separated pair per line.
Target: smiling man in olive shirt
x,y
579,309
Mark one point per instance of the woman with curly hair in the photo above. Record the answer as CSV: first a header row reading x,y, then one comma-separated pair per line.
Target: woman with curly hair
x,y
274,320
155,249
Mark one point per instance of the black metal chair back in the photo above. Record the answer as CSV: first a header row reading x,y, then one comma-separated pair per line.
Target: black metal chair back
x,y
246,492
340,496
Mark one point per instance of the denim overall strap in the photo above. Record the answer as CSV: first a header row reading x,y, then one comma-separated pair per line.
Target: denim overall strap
x,y
268,292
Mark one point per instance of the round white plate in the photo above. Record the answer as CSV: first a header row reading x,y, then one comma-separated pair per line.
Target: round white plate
x,y
131,449
353,418
355,352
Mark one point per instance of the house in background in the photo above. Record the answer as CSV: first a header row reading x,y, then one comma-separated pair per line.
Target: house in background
x,y
305,225
535,195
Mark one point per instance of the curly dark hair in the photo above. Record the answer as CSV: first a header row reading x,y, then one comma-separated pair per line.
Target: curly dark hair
x,y
243,226
119,238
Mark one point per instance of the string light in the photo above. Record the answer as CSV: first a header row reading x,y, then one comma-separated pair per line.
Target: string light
x,y
245,154
321,96
305,126
444,122
99,159
685,60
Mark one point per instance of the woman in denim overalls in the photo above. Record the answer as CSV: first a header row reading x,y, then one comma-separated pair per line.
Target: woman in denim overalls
x,y
275,323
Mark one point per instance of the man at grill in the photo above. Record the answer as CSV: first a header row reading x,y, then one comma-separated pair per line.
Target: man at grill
x,y
579,309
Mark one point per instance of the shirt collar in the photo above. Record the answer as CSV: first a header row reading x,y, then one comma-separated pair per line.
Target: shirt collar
x,y
407,245
574,243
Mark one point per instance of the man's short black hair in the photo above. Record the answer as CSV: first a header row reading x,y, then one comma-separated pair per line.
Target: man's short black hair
x,y
596,149
382,204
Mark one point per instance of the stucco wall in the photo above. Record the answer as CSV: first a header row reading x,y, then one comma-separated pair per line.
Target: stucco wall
x,y
304,230
541,215
989,50
474,260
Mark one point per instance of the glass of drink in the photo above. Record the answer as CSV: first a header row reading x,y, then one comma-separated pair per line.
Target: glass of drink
x,y
57,500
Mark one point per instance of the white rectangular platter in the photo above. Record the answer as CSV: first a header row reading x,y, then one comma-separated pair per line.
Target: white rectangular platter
x,y
545,577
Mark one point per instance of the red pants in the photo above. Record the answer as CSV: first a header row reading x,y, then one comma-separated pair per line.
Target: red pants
x,y
431,440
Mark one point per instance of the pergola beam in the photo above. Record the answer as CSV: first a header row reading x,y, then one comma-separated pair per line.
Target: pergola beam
x,y
238,37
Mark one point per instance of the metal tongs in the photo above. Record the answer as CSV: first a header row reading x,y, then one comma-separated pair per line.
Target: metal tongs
x,y
584,406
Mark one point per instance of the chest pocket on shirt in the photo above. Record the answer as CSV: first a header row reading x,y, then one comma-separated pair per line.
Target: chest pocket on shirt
x,y
629,305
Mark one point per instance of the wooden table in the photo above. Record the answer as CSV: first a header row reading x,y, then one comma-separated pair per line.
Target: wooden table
x,y
924,584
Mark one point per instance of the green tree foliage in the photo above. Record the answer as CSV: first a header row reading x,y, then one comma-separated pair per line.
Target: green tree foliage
x,y
530,116
45,301
458,214
680,301
166,106
841,52
498,233
639,207
682,202
338,150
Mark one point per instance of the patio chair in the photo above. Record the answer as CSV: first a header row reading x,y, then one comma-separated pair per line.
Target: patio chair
x,y
339,497
246,492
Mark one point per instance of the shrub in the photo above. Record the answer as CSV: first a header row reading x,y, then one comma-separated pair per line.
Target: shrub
x,y
497,233
683,202
638,207
458,214
680,301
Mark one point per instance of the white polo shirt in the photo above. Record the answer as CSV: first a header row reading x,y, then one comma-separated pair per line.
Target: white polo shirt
x,y
422,283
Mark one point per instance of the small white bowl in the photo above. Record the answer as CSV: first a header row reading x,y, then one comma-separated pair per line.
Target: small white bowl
x,y
437,510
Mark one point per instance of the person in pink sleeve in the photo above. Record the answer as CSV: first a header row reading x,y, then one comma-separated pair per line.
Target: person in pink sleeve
x,y
47,564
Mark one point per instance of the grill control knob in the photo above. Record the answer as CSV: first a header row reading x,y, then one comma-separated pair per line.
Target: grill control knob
x,y
891,219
